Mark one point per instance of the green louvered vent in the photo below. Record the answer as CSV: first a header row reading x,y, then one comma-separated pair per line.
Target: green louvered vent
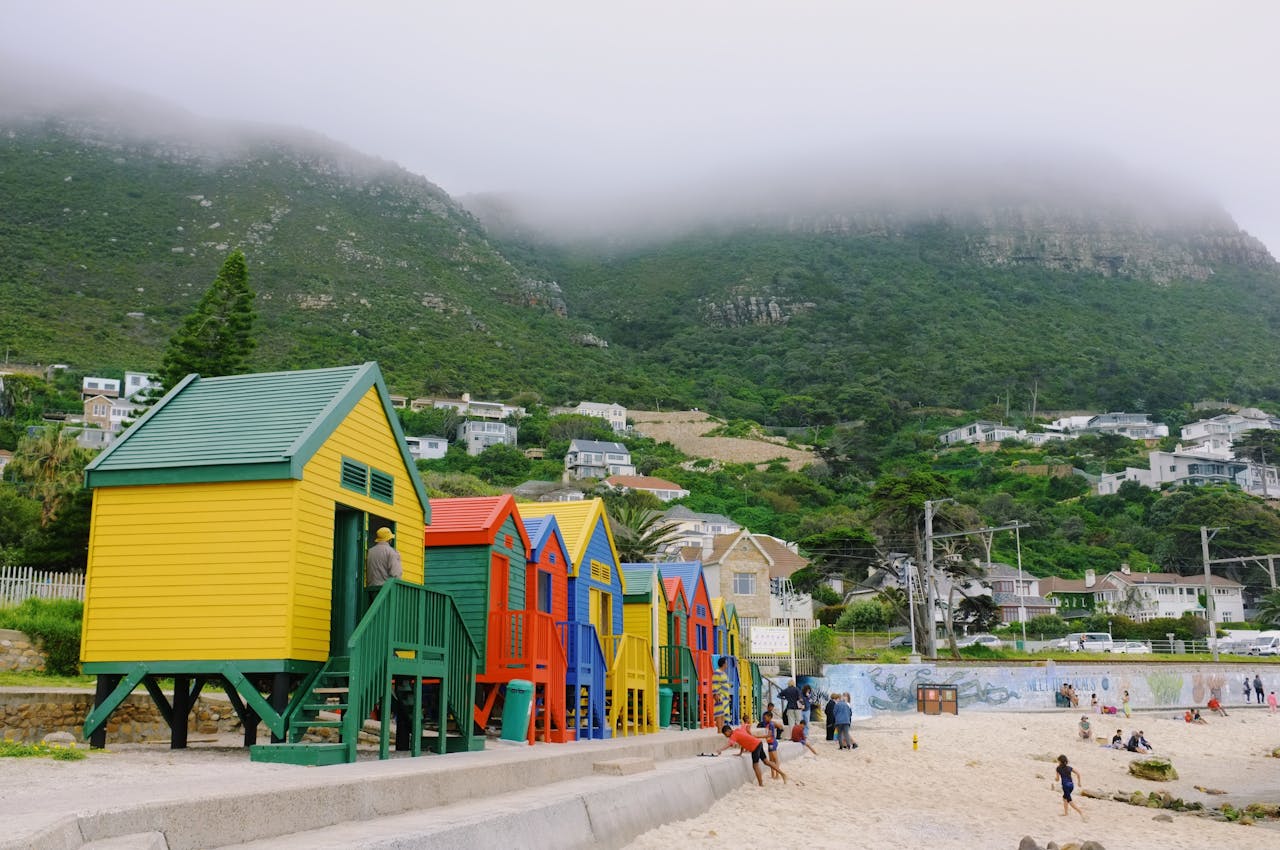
x,y
355,475
382,486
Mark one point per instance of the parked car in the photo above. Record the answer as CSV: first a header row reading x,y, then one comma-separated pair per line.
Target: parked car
x,y
900,642
989,641
1085,642
1131,647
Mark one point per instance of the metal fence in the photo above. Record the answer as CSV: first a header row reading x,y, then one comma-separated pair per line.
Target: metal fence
x,y
19,583
799,632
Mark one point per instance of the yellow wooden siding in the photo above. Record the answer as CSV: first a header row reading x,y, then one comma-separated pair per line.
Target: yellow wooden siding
x,y
365,436
188,572
637,619
664,622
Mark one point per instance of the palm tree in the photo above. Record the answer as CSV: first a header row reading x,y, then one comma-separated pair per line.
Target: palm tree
x,y
49,466
1269,609
638,532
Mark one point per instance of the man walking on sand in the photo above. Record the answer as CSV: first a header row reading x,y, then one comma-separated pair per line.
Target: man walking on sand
x,y
1257,688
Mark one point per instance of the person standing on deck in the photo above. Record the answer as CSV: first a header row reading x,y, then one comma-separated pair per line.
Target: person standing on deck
x,y
381,563
720,691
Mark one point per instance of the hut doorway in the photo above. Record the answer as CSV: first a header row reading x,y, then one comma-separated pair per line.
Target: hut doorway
x,y
348,579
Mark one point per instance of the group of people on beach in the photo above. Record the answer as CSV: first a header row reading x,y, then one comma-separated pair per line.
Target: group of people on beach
x,y
1254,687
761,740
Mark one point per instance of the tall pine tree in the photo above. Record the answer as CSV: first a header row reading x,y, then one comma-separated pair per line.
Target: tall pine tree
x,y
216,338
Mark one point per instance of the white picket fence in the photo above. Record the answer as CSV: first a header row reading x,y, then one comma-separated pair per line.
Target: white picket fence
x,y
19,583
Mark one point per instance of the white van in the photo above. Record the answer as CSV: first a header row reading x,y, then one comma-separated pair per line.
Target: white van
x,y
1265,644
1086,642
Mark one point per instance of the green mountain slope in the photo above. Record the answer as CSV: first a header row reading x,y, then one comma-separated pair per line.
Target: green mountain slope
x,y
109,239
750,319
788,315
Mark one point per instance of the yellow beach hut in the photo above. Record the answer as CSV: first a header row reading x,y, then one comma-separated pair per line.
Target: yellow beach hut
x,y
227,548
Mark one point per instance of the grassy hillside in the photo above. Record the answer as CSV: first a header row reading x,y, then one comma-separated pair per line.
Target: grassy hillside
x,y
108,239
108,242
905,318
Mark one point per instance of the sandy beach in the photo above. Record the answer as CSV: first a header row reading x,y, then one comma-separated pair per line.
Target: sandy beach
x,y
982,781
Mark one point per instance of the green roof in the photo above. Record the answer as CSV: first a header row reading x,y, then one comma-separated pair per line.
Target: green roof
x,y
242,428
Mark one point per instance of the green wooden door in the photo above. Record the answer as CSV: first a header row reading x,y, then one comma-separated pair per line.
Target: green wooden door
x,y
348,579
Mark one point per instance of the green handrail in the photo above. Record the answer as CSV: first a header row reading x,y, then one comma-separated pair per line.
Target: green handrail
x,y
420,629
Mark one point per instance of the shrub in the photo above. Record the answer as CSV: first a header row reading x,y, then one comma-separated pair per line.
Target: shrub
x,y
824,645
866,615
54,624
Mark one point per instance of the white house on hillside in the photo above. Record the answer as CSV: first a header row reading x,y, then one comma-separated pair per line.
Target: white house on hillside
x,y
596,459
1135,426
1148,596
981,431
614,414
1194,466
660,487
480,435
427,448
696,530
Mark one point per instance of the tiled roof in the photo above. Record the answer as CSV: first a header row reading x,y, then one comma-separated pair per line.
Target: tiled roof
x,y
785,562
242,427
577,521
472,520
641,482
1056,584
639,577
688,572
597,446
675,590
722,545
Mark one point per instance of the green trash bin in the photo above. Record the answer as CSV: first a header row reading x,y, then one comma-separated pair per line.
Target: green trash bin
x,y
665,696
516,709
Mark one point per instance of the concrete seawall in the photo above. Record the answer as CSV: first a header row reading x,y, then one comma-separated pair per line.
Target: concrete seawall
x,y
548,795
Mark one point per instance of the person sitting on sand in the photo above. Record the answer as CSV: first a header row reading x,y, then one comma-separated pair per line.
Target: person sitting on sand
x,y
1214,705
1086,731
1066,773
1135,744
1196,718
751,744
800,735
1117,740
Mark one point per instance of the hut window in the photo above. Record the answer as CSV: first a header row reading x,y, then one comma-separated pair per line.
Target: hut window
x,y
551,558
600,572
355,475
544,592
382,486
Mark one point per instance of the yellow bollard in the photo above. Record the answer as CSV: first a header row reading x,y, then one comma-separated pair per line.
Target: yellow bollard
x,y
915,742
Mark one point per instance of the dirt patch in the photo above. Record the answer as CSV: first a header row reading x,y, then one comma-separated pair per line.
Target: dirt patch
x,y
686,430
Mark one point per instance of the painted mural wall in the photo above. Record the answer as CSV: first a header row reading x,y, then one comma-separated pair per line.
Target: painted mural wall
x,y
892,687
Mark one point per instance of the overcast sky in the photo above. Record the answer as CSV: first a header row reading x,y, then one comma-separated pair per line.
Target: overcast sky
x,y
588,96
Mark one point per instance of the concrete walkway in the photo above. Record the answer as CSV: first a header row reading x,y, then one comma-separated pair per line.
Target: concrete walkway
x,y
549,795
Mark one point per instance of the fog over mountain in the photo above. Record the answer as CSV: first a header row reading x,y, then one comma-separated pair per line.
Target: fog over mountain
x,y
571,98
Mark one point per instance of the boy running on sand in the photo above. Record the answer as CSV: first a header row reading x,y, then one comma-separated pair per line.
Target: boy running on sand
x,y
1065,773
749,743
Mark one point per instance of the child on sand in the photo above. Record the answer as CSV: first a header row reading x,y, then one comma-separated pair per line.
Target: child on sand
x,y
751,744
800,735
1086,730
1065,773
1271,702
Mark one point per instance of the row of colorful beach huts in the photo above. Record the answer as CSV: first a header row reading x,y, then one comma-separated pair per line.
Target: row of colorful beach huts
x,y
226,551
